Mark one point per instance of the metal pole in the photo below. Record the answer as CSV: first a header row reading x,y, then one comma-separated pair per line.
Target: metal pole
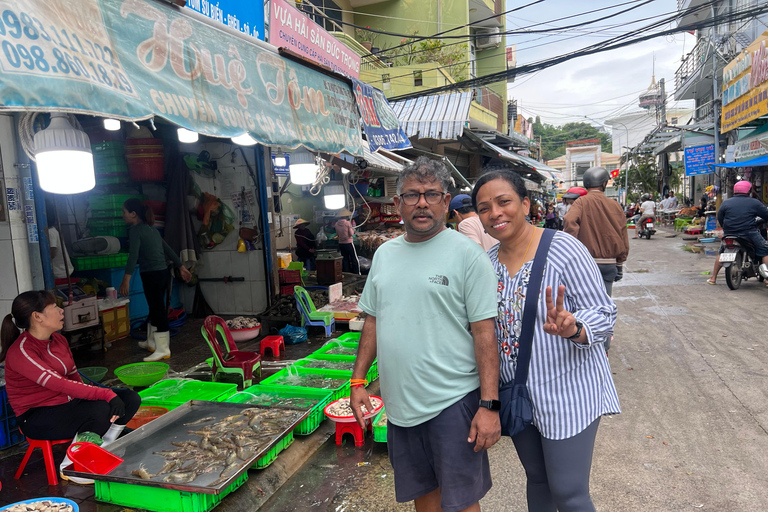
x,y
715,113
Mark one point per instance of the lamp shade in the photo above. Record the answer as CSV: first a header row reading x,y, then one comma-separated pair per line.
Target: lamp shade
x,y
186,136
303,167
333,196
64,158
280,160
111,124
244,140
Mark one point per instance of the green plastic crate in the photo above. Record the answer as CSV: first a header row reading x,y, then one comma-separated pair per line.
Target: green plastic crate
x,y
108,147
373,371
111,201
161,500
316,415
271,455
110,164
189,390
98,262
108,227
349,336
336,393
335,344
379,433
117,179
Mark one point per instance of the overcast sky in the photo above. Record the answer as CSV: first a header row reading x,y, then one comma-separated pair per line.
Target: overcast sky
x,y
597,85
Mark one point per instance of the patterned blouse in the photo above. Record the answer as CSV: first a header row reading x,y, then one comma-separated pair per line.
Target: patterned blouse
x,y
570,383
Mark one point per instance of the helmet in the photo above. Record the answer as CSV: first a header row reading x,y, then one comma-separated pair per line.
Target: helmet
x,y
574,193
645,197
595,177
742,187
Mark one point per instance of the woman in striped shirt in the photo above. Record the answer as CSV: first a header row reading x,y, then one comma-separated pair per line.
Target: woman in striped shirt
x,y
569,377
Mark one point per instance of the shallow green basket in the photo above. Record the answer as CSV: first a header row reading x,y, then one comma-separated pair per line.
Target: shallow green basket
x,y
351,346
379,433
95,373
340,392
141,374
373,371
349,336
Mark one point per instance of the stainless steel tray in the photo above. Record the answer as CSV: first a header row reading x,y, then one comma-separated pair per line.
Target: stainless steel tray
x,y
136,448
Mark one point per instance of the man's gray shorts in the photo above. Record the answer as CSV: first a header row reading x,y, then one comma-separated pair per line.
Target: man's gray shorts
x,y
436,454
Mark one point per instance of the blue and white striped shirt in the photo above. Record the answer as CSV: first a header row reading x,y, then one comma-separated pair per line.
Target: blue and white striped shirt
x,y
570,384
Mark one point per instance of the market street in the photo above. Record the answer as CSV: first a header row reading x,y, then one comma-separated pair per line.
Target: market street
x,y
690,362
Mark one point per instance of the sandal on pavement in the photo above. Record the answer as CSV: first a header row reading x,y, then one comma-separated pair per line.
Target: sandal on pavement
x,y
711,282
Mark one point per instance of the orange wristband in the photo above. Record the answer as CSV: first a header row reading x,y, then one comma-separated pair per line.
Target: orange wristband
x,y
358,382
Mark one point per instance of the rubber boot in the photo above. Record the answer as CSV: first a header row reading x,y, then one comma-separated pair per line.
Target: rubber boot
x,y
763,269
162,347
66,462
112,434
150,343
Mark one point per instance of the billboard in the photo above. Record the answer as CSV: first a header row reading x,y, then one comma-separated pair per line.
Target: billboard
x,y
745,86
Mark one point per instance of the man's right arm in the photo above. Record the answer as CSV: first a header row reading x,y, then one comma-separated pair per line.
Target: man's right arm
x,y
366,353
571,220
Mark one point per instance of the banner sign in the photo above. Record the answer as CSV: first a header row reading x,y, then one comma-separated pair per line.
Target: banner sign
x,y
244,16
745,89
382,128
749,148
698,158
291,29
134,59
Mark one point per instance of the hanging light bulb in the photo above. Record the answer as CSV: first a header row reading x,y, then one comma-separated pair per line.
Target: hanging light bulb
x,y
344,170
303,167
186,136
280,159
111,124
333,196
244,140
64,158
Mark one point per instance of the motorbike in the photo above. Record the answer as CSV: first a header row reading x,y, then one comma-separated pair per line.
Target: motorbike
x,y
647,229
740,261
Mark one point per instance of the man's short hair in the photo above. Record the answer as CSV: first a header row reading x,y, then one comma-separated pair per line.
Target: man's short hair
x,y
425,170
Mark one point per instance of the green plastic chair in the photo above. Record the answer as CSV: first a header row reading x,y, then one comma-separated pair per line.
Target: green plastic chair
x,y
234,361
298,265
310,315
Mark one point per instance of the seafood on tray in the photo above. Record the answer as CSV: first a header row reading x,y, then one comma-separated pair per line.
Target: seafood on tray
x,y
341,407
242,322
220,447
41,506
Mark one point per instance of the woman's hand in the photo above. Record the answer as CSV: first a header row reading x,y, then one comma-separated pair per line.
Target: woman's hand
x,y
559,321
116,409
125,285
186,275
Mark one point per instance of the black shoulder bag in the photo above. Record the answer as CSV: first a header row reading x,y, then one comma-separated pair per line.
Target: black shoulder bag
x,y
516,408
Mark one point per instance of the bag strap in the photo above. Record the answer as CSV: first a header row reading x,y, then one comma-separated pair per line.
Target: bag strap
x,y
531,306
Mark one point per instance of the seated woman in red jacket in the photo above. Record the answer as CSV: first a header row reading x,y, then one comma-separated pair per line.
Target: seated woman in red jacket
x,y
44,389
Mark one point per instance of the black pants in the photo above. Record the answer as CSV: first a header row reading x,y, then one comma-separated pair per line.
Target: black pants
x,y
349,263
66,420
156,285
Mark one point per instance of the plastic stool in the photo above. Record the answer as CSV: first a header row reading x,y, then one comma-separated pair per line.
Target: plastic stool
x,y
273,342
353,428
50,467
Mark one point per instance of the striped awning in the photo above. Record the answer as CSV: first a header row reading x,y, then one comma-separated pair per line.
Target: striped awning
x,y
439,116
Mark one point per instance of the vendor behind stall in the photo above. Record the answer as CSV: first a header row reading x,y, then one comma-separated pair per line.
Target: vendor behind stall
x,y
345,230
305,244
44,388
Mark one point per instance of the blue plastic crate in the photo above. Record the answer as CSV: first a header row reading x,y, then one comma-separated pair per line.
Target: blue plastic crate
x,y
9,436
5,407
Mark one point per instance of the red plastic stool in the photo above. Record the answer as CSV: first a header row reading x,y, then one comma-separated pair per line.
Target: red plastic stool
x,y
274,343
353,428
50,467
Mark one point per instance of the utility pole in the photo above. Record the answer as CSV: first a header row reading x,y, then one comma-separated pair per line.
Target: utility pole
x,y
715,112
662,122
663,91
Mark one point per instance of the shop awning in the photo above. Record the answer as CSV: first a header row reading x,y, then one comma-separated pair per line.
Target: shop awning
x,y
377,161
438,116
755,162
509,156
136,59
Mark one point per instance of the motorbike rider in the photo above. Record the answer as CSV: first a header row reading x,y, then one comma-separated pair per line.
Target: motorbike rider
x,y
648,211
599,223
737,217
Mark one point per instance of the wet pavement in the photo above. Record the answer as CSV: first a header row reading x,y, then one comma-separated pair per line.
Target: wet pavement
x,y
690,362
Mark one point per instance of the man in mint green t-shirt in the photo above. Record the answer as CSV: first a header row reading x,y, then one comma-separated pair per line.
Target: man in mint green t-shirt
x,y
431,301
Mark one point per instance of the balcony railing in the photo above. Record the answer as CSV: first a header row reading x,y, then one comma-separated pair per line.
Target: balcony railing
x,y
692,63
493,102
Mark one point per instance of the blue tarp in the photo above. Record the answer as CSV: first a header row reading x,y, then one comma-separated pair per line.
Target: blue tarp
x,y
755,162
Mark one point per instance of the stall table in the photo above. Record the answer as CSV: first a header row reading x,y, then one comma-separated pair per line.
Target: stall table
x,y
343,310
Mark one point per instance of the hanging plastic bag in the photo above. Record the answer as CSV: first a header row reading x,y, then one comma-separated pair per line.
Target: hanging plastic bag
x,y
292,335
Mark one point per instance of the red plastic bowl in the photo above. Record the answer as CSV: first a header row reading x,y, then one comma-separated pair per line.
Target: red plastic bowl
x,y
144,415
90,458
351,419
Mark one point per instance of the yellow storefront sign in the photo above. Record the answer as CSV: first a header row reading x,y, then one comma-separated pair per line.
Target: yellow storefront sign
x,y
745,86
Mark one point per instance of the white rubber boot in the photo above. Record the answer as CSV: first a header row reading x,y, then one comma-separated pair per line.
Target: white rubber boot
x,y
763,269
150,343
162,347
66,462
112,434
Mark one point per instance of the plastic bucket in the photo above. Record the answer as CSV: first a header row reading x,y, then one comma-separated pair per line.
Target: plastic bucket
x,y
90,458
146,169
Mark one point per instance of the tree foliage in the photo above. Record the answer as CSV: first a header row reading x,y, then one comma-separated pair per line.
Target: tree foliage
x,y
643,176
553,138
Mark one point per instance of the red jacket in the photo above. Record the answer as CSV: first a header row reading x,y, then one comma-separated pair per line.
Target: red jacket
x,y
41,373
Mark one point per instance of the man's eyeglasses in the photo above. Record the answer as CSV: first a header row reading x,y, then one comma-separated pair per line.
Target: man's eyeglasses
x,y
412,198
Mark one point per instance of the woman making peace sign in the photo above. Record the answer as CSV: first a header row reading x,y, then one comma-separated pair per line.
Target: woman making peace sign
x,y
569,379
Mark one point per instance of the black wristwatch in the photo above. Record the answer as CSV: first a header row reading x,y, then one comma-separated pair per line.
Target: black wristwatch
x,y
579,327
493,405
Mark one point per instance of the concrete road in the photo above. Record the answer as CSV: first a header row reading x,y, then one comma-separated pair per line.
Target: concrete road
x,y
690,362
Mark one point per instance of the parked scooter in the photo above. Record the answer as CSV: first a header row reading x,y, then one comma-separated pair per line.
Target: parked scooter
x,y
740,261
647,229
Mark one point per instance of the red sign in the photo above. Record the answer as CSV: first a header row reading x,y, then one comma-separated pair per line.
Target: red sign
x,y
289,28
583,142
615,173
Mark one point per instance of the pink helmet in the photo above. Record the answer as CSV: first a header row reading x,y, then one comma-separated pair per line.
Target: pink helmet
x,y
742,187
